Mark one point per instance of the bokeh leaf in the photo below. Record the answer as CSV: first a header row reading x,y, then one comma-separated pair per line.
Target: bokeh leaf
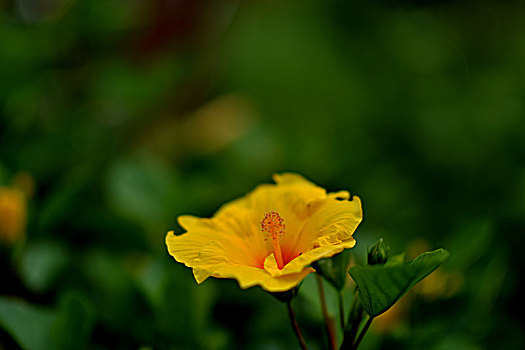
x,y
74,322
40,265
334,269
34,328
143,189
396,260
28,325
381,286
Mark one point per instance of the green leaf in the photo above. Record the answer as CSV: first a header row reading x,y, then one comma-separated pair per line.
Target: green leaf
x,y
34,328
74,322
381,286
143,188
334,269
396,260
41,264
28,325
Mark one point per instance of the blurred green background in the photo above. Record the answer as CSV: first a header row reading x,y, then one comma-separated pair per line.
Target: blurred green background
x,y
118,116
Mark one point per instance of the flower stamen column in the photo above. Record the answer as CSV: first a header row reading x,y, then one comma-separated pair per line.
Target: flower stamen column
x,y
273,223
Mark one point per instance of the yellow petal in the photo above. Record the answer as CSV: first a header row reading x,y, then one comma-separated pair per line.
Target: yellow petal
x,y
270,265
241,250
289,194
307,258
336,220
212,261
329,222
248,276
291,179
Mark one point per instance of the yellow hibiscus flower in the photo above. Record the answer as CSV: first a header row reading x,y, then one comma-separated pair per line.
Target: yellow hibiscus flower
x,y
270,236
13,214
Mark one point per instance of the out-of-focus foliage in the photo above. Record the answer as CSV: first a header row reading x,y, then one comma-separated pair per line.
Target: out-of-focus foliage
x,y
124,114
335,269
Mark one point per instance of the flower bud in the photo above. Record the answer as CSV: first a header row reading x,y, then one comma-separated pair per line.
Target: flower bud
x,y
378,253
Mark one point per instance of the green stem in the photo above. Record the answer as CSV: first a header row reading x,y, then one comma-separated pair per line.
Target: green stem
x,y
295,326
341,309
363,332
355,319
332,337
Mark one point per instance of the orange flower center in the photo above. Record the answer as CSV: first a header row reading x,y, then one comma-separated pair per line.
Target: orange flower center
x,y
273,223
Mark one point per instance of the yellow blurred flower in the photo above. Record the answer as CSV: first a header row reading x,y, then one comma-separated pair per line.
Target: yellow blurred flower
x,y
25,182
13,214
395,317
441,284
217,123
270,236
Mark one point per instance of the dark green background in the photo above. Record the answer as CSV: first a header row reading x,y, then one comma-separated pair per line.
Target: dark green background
x,y
416,106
